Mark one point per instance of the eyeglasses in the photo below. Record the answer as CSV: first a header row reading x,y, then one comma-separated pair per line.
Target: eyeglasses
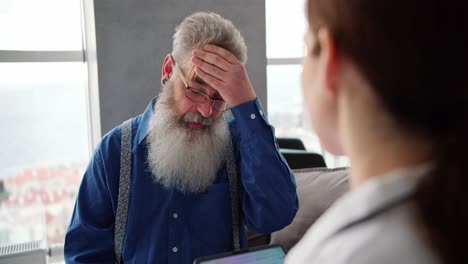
x,y
200,97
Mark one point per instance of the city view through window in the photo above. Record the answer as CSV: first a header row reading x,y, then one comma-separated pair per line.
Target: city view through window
x,y
44,116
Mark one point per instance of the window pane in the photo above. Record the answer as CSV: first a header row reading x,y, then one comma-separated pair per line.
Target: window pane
x,y
40,25
45,146
285,28
286,107
287,113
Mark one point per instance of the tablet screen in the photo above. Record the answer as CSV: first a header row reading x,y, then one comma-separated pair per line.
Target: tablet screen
x,y
272,254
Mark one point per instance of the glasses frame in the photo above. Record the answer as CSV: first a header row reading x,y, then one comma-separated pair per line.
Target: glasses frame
x,y
194,90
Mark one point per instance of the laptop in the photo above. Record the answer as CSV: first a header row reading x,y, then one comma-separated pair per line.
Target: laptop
x,y
269,254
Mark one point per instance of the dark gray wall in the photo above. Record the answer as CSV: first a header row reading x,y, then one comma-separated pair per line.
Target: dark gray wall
x,y
133,37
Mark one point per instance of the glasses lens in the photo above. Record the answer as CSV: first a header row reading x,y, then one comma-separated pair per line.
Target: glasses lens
x,y
219,105
196,96
200,97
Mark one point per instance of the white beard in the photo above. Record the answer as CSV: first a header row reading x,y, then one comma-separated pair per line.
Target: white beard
x,y
181,157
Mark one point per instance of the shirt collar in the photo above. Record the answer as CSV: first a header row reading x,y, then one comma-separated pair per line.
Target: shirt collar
x,y
143,128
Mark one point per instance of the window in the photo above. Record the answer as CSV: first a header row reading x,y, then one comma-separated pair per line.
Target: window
x,y
285,28
45,135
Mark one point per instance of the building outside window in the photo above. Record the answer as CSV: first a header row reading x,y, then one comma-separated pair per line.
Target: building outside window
x,y
45,138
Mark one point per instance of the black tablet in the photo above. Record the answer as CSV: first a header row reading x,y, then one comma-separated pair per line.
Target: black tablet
x,y
269,254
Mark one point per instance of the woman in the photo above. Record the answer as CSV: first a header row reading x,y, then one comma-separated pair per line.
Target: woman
x,y
386,84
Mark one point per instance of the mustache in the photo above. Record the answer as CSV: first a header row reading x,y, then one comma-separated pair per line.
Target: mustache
x,y
198,118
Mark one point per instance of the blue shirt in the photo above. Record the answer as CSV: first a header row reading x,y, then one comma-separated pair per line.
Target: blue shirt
x,y
166,226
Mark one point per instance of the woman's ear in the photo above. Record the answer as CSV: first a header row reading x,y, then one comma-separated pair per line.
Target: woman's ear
x,y
329,57
167,67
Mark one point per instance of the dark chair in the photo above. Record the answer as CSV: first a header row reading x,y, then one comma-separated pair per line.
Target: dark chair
x,y
290,143
298,159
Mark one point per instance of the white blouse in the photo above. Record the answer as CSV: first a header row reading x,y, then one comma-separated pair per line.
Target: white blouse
x,y
374,223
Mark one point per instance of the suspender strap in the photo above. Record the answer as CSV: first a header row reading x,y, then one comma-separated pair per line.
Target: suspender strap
x,y
124,188
234,190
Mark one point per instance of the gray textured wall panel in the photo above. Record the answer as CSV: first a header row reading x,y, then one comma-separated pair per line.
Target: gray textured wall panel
x,y
134,36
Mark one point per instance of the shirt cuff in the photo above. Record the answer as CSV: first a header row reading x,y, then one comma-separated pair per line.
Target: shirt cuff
x,y
250,117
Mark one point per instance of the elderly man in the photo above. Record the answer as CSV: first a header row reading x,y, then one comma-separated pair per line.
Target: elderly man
x,y
180,199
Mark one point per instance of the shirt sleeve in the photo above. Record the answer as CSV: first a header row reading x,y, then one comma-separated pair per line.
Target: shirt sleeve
x,y
268,188
89,238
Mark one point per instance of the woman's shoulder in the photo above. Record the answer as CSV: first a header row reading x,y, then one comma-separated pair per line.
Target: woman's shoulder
x,y
391,237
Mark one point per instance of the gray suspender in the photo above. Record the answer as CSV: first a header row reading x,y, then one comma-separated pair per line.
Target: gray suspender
x,y
234,190
124,190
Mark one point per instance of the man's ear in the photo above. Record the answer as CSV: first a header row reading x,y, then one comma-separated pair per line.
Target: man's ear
x,y
330,59
167,67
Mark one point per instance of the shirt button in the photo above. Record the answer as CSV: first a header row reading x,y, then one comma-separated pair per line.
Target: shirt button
x,y
174,249
175,215
252,116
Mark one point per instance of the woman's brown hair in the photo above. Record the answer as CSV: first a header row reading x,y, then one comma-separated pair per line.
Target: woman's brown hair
x,y
414,53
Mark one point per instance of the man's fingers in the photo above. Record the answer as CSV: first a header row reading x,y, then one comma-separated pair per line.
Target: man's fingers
x,y
212,59
208,68
224,53
209,79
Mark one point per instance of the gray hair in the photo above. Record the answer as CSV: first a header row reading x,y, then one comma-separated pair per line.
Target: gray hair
x,y
206,28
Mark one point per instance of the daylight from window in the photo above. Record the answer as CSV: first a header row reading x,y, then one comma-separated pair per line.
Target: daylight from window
x,y
44,116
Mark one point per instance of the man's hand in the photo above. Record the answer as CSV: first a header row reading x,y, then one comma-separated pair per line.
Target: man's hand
x,y
224,72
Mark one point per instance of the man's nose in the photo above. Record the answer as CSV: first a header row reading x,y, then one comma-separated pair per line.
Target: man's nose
x,y
205,109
